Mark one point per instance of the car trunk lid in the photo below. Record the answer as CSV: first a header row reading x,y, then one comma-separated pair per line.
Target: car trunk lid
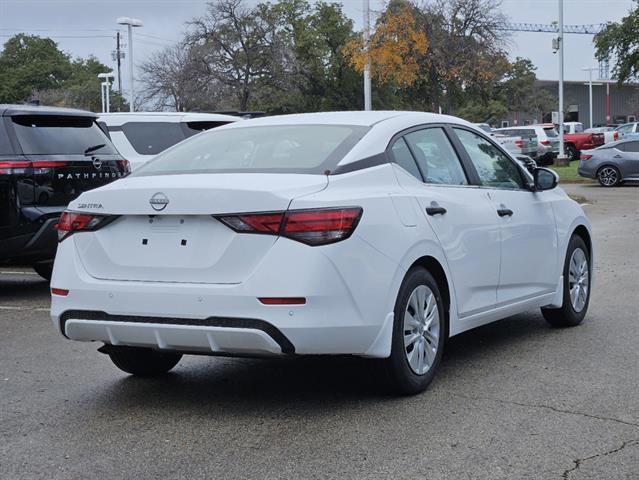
x,y
166,230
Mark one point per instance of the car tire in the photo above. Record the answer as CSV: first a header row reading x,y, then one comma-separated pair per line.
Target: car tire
x,y
572,152
419,333
45,270
577,274
143,362
609,176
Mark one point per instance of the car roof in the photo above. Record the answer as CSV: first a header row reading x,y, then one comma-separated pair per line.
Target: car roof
x,y
120,118
7,110
356,118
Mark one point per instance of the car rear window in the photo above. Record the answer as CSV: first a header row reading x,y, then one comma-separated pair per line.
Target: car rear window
x,y
275,148
60,135
551,132
193,128
151,138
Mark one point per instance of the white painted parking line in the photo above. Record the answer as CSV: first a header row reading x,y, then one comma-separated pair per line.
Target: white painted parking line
x,y
16,272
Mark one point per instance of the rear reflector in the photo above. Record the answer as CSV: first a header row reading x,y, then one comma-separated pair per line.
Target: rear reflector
x,y
60,291
283,300
71,222
314,227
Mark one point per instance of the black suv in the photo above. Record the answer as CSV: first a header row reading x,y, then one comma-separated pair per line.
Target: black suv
x,y
48,156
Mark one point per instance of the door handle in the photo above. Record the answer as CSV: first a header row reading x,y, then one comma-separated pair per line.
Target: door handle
x,y
505,212
435,211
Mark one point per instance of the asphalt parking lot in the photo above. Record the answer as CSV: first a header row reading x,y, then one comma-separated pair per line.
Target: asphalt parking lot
x,y
513,400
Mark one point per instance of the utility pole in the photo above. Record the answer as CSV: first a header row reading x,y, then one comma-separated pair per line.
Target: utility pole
x,y
367,67
118,55
562,152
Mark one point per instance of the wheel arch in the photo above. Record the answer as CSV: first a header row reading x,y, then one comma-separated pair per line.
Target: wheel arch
x,y
604,165
436,269
582,232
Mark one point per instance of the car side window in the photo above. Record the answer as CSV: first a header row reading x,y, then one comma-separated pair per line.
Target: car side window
x,y
436,157
493,167
403,158
631,147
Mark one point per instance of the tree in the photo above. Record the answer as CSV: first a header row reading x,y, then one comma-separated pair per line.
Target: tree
x,y
621,42
396,51
33,68
237,47
29,63
320,74
172,81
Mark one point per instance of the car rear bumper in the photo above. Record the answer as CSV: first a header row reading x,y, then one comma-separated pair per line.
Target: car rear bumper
x,y
586,171
347,309
39,245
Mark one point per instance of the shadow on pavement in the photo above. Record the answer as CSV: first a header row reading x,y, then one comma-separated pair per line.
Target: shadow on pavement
x,y
242,386
21,287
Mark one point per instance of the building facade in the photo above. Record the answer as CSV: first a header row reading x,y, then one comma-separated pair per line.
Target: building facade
x,y
612,104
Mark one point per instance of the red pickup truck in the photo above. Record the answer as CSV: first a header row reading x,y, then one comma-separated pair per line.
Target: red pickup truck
x,y
576,140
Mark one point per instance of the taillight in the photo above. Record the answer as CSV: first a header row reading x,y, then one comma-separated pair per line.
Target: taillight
x,y
545,142
616,136
71,222
519,143
313,227
585,156
124,165
17,167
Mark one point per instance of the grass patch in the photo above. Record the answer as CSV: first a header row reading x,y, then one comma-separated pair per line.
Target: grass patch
x,y
568,174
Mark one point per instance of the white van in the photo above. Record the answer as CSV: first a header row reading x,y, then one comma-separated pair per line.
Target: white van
x,y
139,136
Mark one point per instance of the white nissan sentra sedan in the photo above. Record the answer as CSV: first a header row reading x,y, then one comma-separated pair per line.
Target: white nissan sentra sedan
x,y
376,234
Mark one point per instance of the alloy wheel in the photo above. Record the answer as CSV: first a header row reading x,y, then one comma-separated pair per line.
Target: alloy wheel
x,y
578,279
421,329
608,176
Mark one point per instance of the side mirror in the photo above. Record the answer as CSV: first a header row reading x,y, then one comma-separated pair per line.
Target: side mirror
x,y
545,179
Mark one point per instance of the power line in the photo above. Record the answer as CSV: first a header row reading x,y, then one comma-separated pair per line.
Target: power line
x,y
590,29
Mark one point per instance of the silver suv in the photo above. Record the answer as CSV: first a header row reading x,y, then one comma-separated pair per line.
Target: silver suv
x,y
547,140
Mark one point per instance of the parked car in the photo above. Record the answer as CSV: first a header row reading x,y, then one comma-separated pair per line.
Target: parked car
x,y
139,136
518,145
613,163
48,156
358,233
609,133
628,129
547,140
576,140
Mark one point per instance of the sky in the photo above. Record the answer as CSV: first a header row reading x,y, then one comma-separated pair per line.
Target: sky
x,y
87,27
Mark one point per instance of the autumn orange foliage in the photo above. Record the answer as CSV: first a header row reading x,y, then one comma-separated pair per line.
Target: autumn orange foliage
x,y
396,50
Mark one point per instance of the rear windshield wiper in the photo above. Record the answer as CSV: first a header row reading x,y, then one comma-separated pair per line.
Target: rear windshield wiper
x,y
94,148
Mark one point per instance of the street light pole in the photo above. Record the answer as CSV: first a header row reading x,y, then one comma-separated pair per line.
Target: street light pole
x,y
367,68
589,70
130,23
105,90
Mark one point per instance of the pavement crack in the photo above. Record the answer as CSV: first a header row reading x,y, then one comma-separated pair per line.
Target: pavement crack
x,y
577,462
548,407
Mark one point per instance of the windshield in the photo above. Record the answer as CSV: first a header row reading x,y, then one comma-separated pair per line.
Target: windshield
x,y
551,132
60,135
280,148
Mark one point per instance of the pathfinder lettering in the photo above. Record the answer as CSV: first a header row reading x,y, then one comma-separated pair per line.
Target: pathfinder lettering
x,y
79,176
